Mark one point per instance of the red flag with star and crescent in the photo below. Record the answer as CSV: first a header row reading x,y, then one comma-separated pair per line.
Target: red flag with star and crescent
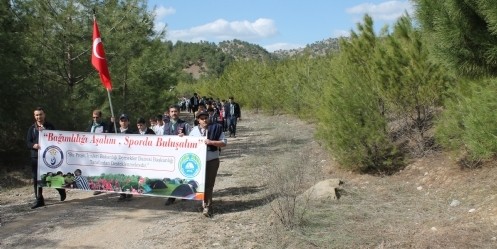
x,y
98,58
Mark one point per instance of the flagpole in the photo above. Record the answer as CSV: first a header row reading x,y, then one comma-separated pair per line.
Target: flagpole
x,y
112,111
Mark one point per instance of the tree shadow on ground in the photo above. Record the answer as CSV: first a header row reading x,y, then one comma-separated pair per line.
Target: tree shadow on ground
x,y
243,147
225,207
221,206
238,191
241,204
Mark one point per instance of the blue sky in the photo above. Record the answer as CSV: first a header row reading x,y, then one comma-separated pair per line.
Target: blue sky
x,y
272,24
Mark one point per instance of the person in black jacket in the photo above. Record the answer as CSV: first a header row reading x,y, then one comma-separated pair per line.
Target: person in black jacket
x,y
97,125
232,114
194,102
125,129
175,126
124,125
141,124
33,144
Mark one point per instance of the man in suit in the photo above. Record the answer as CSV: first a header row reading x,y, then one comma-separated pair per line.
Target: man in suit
x,y
194,102
233,114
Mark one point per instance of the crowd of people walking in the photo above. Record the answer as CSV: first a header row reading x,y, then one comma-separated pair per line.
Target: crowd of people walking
x,y
212,119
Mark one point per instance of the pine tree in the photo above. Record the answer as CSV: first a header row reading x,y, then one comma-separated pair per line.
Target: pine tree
x,y
462,34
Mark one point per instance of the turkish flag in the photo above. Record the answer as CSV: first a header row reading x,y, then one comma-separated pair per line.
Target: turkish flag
x,y
98,58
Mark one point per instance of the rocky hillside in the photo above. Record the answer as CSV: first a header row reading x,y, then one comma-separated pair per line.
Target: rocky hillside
x,y
319,48
241,50
207,59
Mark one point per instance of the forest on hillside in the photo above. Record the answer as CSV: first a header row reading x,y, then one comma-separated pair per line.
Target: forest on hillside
x,y
377,99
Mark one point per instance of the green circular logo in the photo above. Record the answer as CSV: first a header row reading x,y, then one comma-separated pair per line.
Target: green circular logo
x,y
189,165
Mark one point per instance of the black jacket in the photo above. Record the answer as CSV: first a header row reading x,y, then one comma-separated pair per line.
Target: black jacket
x,y
192,101
180,124
106,128
32,137
237,111
127,131
149,131
214,132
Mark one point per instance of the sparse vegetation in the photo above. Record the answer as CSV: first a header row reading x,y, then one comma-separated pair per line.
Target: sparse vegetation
x,y
285,180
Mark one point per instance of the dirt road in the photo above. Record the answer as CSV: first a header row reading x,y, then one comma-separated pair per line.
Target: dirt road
x,y
241,214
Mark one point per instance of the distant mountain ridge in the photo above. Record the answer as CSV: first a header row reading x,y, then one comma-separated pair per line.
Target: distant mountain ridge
x,y
241,50
318,48
207,59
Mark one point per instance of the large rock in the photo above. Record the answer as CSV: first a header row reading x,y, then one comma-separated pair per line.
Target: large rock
x,y
324,190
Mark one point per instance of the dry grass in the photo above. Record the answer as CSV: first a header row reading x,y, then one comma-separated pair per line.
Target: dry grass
x,y
410,209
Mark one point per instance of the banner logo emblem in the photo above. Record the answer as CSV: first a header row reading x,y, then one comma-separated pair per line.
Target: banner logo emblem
x,y
53,157
189,165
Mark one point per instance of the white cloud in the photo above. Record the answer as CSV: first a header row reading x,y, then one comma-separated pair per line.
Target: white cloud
x,y
221,29
282,46
341,33
159,26
386,11
162,12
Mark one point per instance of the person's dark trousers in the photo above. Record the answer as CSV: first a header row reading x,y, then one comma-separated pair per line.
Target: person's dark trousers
x,y
232,125
210,179
225,124
62,193
37,190
170,201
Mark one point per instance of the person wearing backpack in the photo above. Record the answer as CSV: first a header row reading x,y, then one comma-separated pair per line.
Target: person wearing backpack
x,y
214,139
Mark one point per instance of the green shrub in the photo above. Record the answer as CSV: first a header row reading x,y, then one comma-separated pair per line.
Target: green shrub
x,y
469,121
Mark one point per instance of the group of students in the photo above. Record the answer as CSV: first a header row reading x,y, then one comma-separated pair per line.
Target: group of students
x,y
226,113
207,124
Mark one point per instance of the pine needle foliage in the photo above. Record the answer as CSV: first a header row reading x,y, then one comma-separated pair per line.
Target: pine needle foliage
x,y
410,84
355,127
468,123
462,34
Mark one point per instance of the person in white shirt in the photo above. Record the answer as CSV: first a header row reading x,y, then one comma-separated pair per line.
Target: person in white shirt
x,y
159,126
214,139
153,122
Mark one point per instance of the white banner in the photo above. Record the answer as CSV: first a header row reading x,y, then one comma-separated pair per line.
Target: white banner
x,y
124,163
